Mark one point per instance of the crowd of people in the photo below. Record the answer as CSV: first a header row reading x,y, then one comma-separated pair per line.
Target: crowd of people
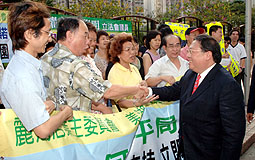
x,y
88,70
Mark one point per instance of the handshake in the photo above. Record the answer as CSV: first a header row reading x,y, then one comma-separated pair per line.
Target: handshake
x,y
143,91
142,96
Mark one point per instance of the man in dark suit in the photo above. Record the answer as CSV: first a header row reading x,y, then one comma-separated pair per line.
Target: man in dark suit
x,y
251,101
212,116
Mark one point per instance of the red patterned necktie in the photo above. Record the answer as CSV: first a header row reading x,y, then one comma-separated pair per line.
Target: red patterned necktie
x,y
196,83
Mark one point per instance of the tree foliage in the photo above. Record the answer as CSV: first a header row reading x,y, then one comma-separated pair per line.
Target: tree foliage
x,y
47,2
238,13
98,8
207,11
173,12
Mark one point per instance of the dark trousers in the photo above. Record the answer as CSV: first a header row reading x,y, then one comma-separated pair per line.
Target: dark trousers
x,y
2,106
240,77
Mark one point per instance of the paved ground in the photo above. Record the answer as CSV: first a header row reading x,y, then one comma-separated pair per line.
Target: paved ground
x,y
249,154
248,151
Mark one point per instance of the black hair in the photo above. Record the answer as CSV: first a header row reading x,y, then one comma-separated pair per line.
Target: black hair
x,y
135,39
163,25
214,29
164,41
67,24
227,38
91,27
242,39
101,33
151,35
164,32
234,30
144,38
208,43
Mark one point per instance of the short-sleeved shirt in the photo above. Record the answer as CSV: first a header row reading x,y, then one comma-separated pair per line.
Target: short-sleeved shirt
x,y
122,76
238,52
69,80
23,91
184,52
164,67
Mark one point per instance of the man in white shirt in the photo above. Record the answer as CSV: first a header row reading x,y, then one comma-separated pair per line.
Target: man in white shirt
x,y
170,67
238,52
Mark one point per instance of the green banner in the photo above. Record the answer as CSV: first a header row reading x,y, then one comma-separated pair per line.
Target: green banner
x,y
108,25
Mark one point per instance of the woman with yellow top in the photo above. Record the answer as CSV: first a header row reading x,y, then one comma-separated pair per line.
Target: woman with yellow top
x,y
122,53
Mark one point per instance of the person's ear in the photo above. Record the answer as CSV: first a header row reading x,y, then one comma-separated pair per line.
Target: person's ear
x,y
69,36
164,47
213,33
29,35
209,55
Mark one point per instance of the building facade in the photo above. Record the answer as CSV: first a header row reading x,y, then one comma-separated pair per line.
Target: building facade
x,y
154,7
65,3
133,6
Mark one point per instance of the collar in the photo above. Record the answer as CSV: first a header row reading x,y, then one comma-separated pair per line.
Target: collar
x,y
29,58
167,59
124,68
204,74
186,47
66,53
234,45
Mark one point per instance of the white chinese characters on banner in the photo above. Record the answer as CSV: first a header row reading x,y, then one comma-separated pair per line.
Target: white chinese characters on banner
x,y
5,44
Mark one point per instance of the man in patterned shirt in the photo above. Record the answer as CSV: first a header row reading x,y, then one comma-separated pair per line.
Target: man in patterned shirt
x,y
71,80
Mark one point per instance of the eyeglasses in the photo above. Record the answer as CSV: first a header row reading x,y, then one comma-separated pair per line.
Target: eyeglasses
x,y
191,51
48,32
174,46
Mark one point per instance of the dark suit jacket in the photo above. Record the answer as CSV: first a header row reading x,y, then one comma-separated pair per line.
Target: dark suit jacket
x,y
212,120
251,101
